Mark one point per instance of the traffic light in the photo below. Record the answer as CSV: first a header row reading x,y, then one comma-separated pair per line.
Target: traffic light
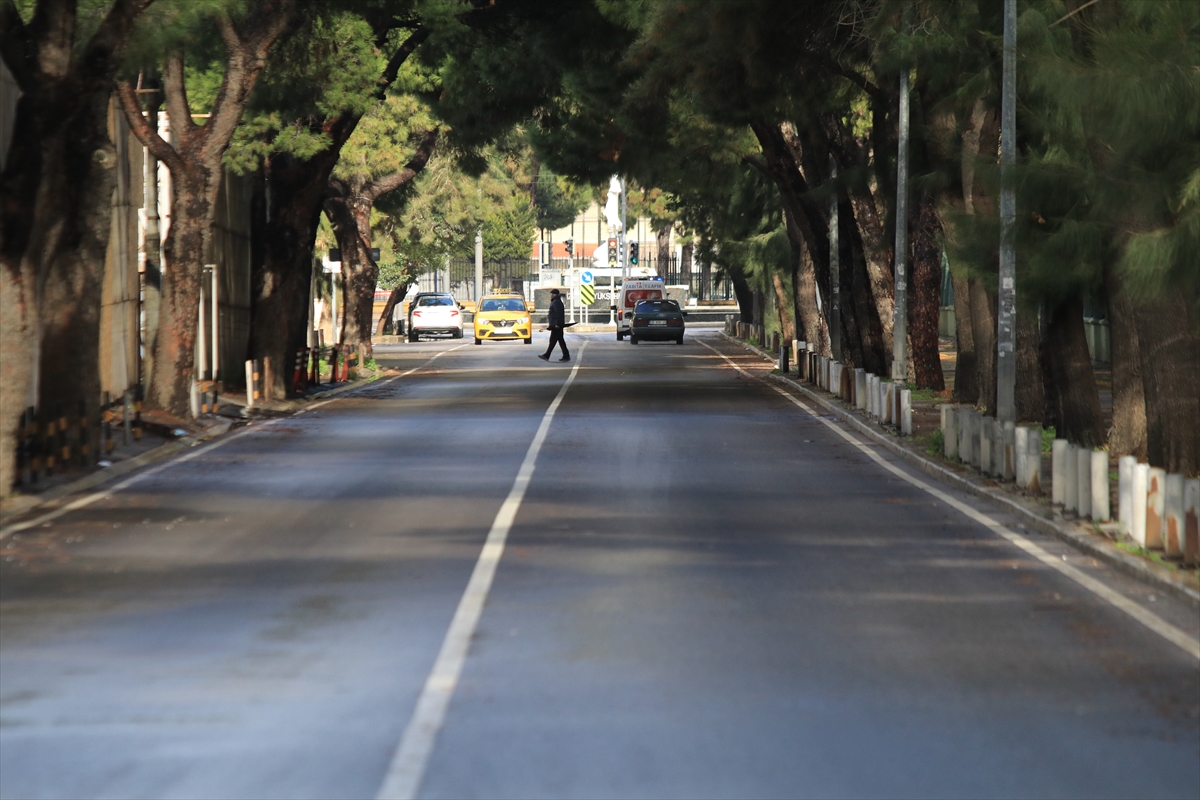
x,y
570,248
633,254
612,252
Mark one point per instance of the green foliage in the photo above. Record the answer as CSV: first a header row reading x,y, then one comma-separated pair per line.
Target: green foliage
x,y
510,231
936,444
392,275
559,200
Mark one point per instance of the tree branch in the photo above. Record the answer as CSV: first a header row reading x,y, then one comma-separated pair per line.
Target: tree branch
x,y
374,189
398,58
146,133
175,91
854,77
102,55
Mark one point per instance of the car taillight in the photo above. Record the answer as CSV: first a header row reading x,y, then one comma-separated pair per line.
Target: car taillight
x,y
454,312
416,313
674,323
641,323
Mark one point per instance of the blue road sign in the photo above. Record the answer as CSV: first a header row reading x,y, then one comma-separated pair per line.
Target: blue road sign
x,y
586,277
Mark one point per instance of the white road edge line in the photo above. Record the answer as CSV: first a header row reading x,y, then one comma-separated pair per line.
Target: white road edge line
x,y
88,499
1166,630
411,757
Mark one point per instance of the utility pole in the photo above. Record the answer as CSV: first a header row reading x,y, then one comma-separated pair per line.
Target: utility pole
x,y
478,266
835,270
1006,362
621,243
900,311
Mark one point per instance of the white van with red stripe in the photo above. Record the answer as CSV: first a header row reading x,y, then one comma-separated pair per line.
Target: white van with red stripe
x,y
634,290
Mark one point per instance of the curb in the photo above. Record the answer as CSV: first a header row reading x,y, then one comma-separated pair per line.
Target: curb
x,y
1075,534
10,509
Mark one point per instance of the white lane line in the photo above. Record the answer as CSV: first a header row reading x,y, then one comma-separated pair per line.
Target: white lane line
x,y
88,499
1174,635
411,757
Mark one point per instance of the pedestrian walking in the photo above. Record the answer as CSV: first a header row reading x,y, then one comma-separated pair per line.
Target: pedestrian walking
x,y
556,321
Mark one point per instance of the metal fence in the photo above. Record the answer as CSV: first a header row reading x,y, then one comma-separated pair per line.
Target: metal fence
x,y
521,275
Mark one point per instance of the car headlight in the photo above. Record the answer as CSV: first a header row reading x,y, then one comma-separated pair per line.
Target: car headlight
x,y
523,320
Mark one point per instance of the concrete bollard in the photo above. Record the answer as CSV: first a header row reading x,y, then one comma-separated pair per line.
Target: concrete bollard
x,y
1058,472
860,388
835,378
1071,478
784,362
964,434
1021,446
1155,495
906,412
1191,522
1125,466
871,393
1173,515
889,403
949,431
1101,502
1083,482
986,424
1141,480
1033,461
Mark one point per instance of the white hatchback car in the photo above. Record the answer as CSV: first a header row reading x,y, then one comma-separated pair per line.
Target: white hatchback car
x,y
434,313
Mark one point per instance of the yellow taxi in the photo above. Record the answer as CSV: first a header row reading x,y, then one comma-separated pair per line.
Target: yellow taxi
x,y
503,316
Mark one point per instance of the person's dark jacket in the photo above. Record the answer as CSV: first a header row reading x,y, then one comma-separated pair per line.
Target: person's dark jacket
x,y
557,317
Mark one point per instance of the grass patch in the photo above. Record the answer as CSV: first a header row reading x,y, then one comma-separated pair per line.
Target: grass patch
x,y
1048,437
937,443
752,340
371,364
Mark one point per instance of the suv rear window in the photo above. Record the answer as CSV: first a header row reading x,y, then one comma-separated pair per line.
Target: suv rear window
x,y
653,306
435,301
507,304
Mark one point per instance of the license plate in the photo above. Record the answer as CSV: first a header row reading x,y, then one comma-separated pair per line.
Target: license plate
x,y
658,322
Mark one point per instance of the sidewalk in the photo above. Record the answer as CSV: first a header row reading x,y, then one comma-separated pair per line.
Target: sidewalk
x,y
164,438
1032,510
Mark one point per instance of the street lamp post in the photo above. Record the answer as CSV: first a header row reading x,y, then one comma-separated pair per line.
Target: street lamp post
x,y
900,310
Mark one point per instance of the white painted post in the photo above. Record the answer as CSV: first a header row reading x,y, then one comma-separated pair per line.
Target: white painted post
x,y
250,384
1125,467
1083,478
1071,478
986,439
906,412
1058,472
889,403
964,434
835,378
949,431
1101,503
1191,521
1173,515
871,393
1033,462
1021,446
860,388
1141,480
1155,495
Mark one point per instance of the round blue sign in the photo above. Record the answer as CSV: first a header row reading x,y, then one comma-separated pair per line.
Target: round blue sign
x,y
585,277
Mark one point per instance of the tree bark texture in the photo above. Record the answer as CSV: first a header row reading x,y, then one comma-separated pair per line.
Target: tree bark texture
x,y
1127,434
55,169
281,283
1170,354
983,335
966,368
925,295
1030,397
783,304
196,174
1073,405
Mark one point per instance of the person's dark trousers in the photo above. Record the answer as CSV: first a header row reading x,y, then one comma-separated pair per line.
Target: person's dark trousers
x,y
556,337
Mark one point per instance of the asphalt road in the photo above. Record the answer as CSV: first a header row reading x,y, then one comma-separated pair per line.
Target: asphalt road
x,y
704,592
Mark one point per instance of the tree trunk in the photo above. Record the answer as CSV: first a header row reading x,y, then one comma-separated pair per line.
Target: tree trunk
x,y
783,304
1127,436
662,245
815,331
1073,405
72,280
924,296
280,285
1030,397
349,212
966,369
876,270
983,335
385,325
1169,348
